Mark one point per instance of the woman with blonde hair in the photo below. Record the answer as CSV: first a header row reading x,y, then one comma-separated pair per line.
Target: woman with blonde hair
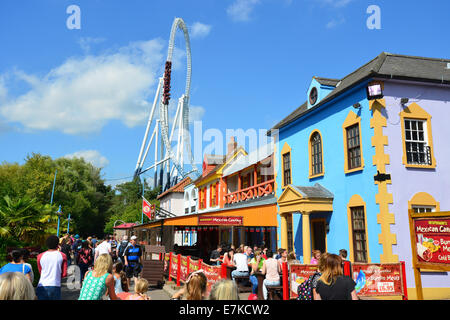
x,y
16,286
332,284
224,290
140,289
195,287
99,281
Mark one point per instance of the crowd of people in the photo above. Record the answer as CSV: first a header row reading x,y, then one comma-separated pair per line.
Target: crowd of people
x,y
106,267
248,261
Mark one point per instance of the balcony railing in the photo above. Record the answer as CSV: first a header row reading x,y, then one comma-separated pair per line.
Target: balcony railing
x,y
252,192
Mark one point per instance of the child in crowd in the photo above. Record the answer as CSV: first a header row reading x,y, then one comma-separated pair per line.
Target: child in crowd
x,y
195,288
140,290
224,290
315,256
120,278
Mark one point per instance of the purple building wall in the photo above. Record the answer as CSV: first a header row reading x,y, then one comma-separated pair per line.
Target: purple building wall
x,y
434,99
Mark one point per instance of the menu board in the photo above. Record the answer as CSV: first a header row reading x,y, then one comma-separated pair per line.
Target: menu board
x,y
432,240
298,274
378,279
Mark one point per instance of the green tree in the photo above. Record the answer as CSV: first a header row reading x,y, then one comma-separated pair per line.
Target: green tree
x,y
25,219
127,203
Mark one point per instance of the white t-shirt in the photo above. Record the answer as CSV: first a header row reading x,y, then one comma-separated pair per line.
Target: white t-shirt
x,y
104,247
52,266
241,261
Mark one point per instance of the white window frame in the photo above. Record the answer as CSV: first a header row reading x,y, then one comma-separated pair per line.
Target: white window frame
x,y
425,138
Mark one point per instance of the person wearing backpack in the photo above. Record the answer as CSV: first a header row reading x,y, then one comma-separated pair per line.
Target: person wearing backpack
x,y
84,259
76,246
66,248
121,249
307,290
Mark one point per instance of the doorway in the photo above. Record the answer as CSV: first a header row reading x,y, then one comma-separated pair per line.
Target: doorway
x,y
318,235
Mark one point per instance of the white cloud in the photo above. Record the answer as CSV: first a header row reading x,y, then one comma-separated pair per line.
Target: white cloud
x,y
92,156
84,93
334,23
335,3
240,10
86,42
199,30
196,113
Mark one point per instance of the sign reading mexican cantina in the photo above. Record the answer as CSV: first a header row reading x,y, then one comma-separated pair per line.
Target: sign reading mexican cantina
x,y
220,220
433,240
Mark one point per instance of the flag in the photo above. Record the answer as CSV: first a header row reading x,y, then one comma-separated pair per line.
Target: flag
x,y
148,209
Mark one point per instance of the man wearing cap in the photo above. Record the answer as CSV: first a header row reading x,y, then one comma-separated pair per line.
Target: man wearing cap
x,y
132,256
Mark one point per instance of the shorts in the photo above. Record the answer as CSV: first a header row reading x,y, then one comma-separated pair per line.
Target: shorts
x,y
133,270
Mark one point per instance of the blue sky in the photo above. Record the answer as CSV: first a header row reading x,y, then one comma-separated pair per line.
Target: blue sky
x,y
87,92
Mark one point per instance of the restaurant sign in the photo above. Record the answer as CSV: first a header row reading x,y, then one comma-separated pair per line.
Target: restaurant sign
x,y
220,220
378,279
432,237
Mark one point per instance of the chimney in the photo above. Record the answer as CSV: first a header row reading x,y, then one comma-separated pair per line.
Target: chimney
x,y
232,146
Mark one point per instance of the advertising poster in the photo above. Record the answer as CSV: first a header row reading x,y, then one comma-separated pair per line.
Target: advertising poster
x,y
193,265
174,267
212,273
299,273
183,268
432,236
378,279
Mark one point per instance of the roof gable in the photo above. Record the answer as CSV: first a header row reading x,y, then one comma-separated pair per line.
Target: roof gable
x,y
385,65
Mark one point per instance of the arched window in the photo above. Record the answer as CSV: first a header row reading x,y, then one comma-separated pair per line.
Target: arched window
x,y
186,202
316,154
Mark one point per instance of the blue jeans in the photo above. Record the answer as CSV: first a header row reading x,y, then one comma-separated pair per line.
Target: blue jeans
x,y
48,293
236,273
268,283
254,282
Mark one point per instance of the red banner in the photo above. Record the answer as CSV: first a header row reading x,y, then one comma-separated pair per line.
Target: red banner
x,y
184,268
148,209
193,265
174,266
378,279
433,240
220,220
299,273
213,273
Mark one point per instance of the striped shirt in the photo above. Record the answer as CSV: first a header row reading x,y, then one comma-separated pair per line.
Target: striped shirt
x,y
133,253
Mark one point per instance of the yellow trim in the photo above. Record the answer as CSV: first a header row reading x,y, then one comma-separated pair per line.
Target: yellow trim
x,y
292,201
430,293
311,176
218,172
356,201
286,149
414,111
352,118
382,198
424,199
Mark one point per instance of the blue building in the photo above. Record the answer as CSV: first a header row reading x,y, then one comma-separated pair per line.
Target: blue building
x,y
345,176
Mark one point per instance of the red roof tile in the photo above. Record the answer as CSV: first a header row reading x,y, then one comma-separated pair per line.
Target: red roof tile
x,y
179,187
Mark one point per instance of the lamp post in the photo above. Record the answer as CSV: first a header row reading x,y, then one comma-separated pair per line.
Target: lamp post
x,y
68,223
59,213
53,189
117,221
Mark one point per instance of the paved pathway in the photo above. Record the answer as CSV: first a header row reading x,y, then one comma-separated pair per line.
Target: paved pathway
x,y
73,294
